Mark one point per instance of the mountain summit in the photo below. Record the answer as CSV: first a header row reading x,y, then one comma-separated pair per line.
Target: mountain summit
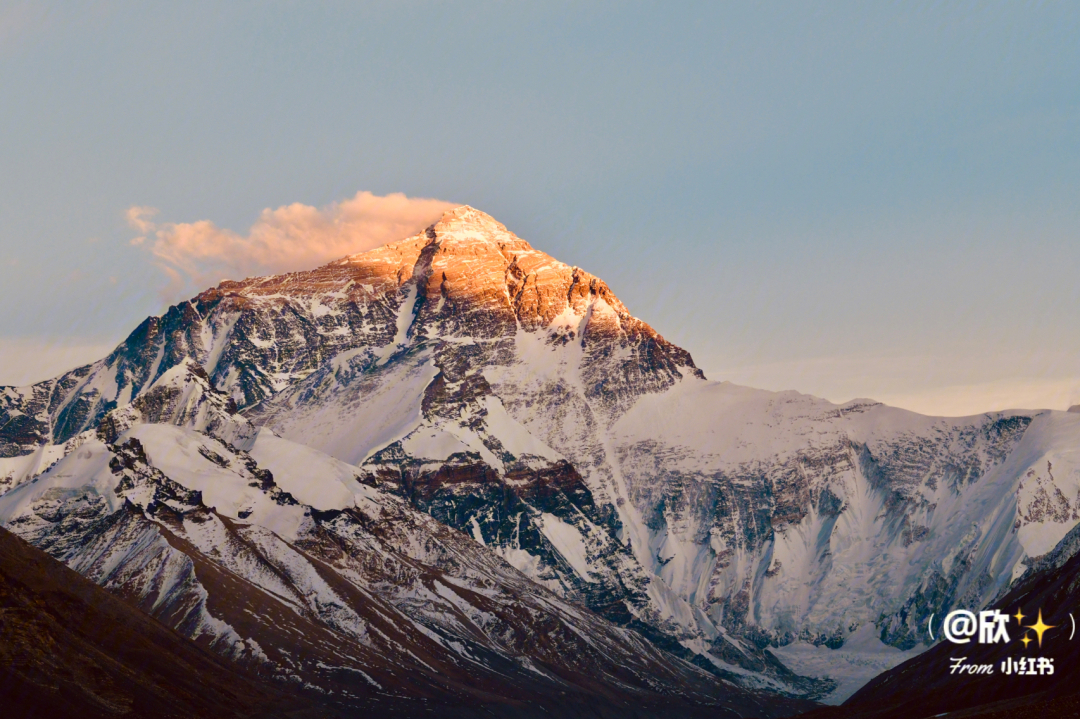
x,y
466,275
463,402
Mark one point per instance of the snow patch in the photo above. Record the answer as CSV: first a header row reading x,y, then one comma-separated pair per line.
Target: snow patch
x,y
862,658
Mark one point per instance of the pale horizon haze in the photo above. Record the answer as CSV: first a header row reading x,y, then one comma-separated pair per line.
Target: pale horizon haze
x,y
862,200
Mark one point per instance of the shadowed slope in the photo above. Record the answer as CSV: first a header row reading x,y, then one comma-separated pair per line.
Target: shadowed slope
x,y
69,648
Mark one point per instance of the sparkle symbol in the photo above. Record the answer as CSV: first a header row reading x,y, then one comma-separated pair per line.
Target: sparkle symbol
x,y
1026,639
1019,616
1040,627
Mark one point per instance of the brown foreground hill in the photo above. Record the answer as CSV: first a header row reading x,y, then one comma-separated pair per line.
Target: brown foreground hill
x,y
68,648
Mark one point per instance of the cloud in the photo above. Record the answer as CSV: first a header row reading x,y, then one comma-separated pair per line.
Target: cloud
x,y
139,219
289,238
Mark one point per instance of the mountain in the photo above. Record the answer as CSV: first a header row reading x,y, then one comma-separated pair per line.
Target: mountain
x,y
281,560
69,648
509,405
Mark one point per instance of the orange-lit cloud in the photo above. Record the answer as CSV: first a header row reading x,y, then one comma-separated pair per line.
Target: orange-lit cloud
x,y
139,219
291,237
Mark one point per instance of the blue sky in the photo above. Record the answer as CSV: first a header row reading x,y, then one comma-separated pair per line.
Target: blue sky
x,y
862,200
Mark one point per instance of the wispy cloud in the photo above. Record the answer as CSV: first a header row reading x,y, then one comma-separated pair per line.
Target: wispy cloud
x,y
138,218
288,238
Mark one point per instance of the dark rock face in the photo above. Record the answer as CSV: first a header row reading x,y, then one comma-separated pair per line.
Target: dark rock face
x,y
506,510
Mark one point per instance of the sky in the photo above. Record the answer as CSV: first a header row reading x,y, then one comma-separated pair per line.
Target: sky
x,y
850,200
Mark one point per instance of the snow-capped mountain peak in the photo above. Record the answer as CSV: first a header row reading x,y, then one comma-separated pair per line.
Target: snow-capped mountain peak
x,y
514,398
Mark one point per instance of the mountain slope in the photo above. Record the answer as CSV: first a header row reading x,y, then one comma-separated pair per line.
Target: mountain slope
x,y
372,605
68,648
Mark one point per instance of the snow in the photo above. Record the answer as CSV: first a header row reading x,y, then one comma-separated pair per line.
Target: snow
x,y
567,542
1050,439
861,659
513,436
353,426
527,564
405,319
18,469
86,469
477,534
660,463
220,334
341,360
823,571
175,452
427,442
310,476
